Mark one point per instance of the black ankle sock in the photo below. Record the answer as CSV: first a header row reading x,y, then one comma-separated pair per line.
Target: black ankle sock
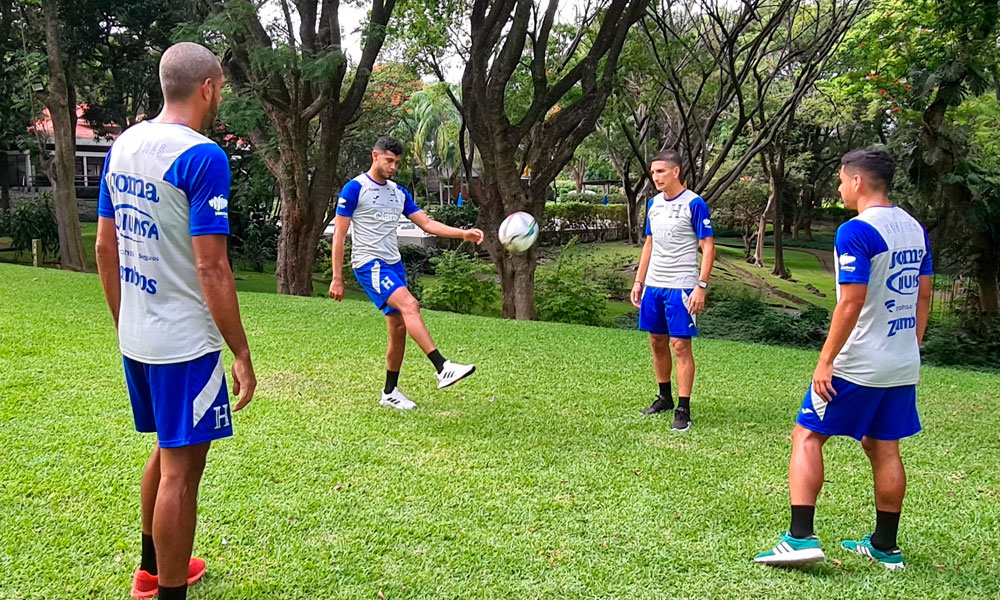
x,y
665,389
148,563
437,359
391,379
802,521
886,526
173,593
684,402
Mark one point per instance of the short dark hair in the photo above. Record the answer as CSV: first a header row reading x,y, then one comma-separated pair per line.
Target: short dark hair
x,y
388,144
668,156
875,163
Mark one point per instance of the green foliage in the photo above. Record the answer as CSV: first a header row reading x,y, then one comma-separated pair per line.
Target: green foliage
x,y
463,284
947,343
567,293
742,315
579,215
462,217
35,219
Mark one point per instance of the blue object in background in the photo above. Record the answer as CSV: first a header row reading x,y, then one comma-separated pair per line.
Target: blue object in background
x,y
459,201
605,201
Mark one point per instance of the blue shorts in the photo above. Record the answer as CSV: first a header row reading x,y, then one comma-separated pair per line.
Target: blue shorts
x,y
183,403
859,411
379,280
664,311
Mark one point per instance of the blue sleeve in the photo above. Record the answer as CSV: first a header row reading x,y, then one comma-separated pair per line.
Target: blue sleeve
x,y
104,206
348,200
700,219
927,264
649,203
409,206
856,244
202,173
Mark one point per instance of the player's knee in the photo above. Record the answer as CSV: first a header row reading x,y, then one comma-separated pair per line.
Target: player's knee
x,y
879,449
409,306
659,343
682,347
806,437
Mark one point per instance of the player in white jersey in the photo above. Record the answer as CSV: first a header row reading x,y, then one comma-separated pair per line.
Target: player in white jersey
x,y
161,254
864,385
370,205
669,287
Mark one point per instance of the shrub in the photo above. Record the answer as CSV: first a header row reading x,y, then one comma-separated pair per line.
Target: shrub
x,y
566,294
948,343
417,259
578,215
459,286
462,217
585,197
747,318
35,219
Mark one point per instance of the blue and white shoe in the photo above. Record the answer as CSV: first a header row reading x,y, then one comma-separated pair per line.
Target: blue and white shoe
x,y
792,552
892,560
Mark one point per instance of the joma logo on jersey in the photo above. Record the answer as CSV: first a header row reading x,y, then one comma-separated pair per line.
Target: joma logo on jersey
x,y
906,257
905,282
902,323
134,186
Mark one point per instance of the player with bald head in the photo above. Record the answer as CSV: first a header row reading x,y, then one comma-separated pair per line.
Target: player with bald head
x,y
161,254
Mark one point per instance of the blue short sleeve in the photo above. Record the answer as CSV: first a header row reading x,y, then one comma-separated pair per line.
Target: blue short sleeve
x,y
856,244
409,206
202,173
105,208
348,200
927,264
701,221
649,204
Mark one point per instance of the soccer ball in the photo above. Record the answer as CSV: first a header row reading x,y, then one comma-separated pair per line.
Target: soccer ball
x,y
518,232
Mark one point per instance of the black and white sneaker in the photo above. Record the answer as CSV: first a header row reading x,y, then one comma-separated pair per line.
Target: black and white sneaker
x,y
682,419
661,404
452,373
396,399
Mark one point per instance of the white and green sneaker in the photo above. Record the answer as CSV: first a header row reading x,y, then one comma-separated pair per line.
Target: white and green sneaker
x,y
792,552
892,560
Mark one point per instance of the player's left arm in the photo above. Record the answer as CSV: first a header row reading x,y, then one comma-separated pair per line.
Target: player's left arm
x,y
106,247
701,222
421,220
924,305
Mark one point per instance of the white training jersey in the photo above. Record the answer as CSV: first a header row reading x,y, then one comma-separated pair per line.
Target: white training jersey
x,y
162,184
676,224
888,250
374,210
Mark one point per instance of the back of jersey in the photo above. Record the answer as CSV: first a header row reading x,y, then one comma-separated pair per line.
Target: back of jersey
x,y
162,184
887,249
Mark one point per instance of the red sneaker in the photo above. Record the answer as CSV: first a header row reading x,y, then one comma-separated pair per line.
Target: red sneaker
x,y
145,585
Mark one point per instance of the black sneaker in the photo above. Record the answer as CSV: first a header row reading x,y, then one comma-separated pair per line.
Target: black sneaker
x,y
659,405
682,419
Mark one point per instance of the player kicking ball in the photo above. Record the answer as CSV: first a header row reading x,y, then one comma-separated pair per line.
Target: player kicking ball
x,y
669,288
371,204
865,385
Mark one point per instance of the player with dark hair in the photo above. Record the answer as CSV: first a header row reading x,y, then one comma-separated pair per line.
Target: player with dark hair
x,y
864,385
669,288
370,205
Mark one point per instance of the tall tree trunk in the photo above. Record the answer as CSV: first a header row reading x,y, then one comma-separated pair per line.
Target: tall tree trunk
x,y
4,187
62,171
579,172
986,276
517,271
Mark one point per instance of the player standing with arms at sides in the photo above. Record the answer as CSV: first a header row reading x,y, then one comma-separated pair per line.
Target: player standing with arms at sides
x,y
865,385
161,255
669,288
370,204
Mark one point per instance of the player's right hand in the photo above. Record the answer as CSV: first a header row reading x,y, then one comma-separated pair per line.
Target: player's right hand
x,y
636,295
337,290
244,382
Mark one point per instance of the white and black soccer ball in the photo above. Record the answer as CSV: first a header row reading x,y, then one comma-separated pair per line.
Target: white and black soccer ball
x,y
518,232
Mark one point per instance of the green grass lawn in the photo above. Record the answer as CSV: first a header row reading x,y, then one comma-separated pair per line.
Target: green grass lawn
x,y
536,478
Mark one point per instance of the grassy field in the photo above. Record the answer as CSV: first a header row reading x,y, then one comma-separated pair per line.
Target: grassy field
x,y
536,478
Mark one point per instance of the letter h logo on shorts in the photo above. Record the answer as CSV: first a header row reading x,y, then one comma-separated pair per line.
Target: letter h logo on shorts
x,y
386,282
221,416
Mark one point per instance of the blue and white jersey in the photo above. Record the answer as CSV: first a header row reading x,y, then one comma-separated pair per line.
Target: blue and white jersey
x,y
888,250
676,224
162,184
374,209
